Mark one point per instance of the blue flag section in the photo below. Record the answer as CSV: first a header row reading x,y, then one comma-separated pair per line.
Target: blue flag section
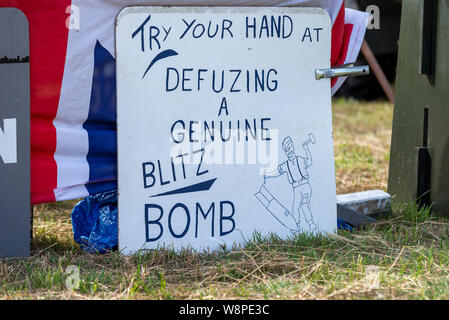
x,y
101,124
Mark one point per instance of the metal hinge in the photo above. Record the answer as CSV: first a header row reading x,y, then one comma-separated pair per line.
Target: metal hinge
x,y
345,70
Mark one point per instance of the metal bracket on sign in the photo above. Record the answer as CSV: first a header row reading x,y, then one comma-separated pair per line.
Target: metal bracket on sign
x,y
346,70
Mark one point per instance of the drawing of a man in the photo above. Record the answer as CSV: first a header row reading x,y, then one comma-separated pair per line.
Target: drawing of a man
x,y
296,169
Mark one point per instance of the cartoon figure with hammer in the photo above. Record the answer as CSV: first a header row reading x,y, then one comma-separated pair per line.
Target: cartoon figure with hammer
x,y
295,167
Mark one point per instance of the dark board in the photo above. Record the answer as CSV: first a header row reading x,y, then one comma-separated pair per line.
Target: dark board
x,y
14,134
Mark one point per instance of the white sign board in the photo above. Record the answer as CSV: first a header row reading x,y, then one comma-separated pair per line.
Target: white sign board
x,y
223,130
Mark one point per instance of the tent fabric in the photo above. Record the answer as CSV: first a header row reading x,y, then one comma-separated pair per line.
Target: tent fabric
x,y
73,132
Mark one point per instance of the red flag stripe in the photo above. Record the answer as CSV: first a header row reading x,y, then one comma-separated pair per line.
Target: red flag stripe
x,y
337,35
48,45
343,49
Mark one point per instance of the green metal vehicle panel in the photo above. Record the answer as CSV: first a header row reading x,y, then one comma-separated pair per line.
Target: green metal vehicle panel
x,y
415,92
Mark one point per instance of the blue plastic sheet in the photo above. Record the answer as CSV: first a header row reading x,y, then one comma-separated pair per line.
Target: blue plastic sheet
x,y
94,223
342,225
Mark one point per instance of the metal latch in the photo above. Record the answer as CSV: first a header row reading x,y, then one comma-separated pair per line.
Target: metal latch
x,y
345,70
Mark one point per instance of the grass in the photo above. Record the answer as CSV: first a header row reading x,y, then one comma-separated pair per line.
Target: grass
x,y
362,135
404,256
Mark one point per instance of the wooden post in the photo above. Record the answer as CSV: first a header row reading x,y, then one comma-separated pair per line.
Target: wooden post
x,y
378,72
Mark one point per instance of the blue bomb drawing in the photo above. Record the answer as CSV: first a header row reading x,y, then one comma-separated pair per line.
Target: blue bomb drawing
x,y
295,167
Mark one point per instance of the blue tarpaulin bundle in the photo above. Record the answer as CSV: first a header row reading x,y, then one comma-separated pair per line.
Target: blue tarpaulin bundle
x,y
94,222
342,225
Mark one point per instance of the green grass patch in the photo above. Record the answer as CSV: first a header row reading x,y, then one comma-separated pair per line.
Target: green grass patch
x,y
403,256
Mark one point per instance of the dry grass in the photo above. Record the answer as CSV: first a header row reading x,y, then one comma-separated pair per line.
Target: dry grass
x,y
404,256
362,135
